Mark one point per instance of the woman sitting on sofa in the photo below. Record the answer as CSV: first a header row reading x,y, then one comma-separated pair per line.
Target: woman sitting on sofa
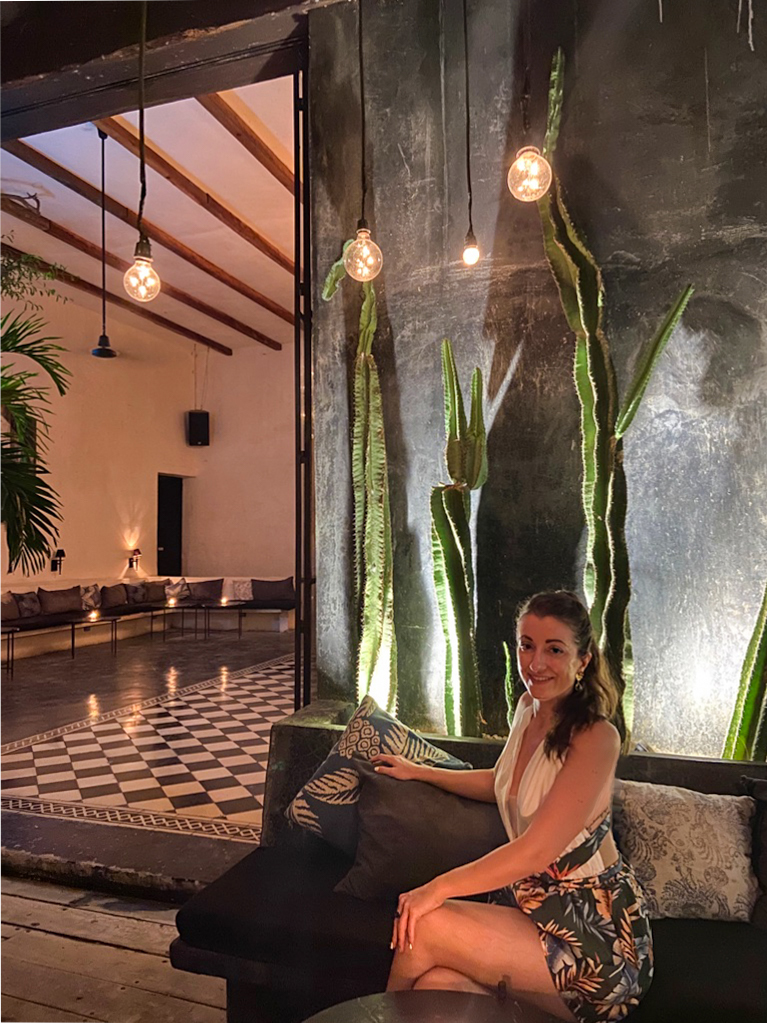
x,y
565,925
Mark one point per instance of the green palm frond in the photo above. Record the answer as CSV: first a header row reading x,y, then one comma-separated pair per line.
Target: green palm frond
x,y
19,337
30,509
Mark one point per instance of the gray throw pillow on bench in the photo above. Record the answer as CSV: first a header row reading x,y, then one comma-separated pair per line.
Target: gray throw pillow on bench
x,y
114,596
154,593
136,593
28,604
210,589
273,589
10,609
410,831
56,602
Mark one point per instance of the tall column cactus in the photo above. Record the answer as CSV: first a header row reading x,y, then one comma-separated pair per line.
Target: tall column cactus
x,y
747,734
604,422
373,553
466,456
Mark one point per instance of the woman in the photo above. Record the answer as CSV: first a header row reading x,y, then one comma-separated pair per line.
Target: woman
x,y
565,926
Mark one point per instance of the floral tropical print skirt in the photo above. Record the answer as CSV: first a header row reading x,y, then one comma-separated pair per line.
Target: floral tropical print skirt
x,y
594,930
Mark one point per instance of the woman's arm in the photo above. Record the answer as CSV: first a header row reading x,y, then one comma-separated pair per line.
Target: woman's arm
x,y
568,808
471,784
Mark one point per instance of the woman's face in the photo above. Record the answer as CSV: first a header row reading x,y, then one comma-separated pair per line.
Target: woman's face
x,y
547,656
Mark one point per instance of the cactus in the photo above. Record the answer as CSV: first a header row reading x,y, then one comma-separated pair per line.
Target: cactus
x,y
606,577
747,734
466,457
373,552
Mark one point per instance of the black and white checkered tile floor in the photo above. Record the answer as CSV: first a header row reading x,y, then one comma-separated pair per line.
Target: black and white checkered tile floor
x,y
193,761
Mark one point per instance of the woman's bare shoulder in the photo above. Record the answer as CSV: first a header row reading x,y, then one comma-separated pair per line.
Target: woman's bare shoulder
x,y
600,739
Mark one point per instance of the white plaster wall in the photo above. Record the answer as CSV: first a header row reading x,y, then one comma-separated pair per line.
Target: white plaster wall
x,y
120,424
239,511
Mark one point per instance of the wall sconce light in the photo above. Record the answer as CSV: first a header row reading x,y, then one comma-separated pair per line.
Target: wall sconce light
x,y
134,559
58,557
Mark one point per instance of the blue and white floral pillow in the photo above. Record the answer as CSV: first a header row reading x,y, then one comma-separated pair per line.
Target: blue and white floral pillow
x,y
327,803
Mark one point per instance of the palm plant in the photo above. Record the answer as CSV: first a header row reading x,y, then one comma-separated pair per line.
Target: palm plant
x,y
747,734
30,506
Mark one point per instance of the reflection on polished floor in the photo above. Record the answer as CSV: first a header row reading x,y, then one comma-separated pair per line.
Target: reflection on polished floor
x,y
185,753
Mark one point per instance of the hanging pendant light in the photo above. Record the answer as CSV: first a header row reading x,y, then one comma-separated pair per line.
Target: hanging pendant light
x,y
142,282
104,350
470,247
363,259
529,177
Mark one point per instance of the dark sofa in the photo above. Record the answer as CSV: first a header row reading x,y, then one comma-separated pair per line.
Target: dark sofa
x,y
289,946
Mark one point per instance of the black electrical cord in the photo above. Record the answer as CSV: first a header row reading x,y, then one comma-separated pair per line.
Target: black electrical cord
x,y
468,112
362,110
103,137
526,81
142,156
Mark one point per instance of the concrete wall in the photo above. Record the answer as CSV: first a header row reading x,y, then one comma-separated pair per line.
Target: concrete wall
x,y
661,155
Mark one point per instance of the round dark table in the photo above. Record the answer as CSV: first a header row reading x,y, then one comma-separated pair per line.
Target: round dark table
x,y
431,1007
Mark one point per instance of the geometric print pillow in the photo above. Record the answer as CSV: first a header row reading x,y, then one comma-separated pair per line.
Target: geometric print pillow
x,y
327,803
690,851
91,597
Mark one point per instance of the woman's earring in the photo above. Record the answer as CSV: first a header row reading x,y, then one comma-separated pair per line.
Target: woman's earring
x,y
578,682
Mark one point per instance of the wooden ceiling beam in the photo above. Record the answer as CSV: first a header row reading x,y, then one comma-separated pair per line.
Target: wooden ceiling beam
x,y
34,158
124,303
218,107
125,136
49,227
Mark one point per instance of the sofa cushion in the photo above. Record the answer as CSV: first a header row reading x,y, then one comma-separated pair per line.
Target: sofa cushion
x,y
327,803
113,596
706,971
33,622
28,604
410,831
91,597
177,591
757,789
56,602
136,593
691,851
273,594
277,905
211,589
154,592
10,609
242,589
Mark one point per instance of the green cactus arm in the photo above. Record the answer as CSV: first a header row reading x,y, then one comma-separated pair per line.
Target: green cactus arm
x,y
335,275
554,114
615,627
445,608
563,269
508,684
648,360
378,553
476,436
368,319
748,728
359,450
455,417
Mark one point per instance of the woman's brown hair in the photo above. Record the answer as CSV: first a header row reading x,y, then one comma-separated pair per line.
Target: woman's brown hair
x,y
595,697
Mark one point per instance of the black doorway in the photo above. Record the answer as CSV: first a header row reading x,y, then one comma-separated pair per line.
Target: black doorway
x,y
170,506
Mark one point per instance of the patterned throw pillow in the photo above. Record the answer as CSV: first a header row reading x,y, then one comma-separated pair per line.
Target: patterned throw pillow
x,y
691,851
242,589
28,604
327,804
91,597
178,590
10,609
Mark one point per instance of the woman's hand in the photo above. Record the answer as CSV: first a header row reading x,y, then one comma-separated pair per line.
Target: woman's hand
x,y
410,908
396,767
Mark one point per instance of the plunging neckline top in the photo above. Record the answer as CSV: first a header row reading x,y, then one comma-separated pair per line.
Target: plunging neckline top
x,y
534,784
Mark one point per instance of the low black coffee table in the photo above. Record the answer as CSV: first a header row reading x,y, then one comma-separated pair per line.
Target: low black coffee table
x,y
431,1007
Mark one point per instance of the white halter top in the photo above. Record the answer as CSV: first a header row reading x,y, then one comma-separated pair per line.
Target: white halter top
x,y
534,785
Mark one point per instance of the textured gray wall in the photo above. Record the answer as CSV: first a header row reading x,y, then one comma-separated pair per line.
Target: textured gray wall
x,y
662,155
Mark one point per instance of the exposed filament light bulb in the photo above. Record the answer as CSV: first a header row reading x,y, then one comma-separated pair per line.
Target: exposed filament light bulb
x,y
529,176
142,282
363,259
470,249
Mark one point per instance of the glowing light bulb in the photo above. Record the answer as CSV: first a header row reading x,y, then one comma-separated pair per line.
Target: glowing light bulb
x,y
363,259
470,249
529,176
142,282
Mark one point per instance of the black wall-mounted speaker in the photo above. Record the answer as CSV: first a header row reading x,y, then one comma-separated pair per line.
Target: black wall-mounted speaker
x,y
198,429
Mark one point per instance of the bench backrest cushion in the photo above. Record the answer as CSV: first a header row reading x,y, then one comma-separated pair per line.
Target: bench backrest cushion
x,y
273,593
10,609
28,604
136,593
209,589
56,602
91,597
154,592
114,596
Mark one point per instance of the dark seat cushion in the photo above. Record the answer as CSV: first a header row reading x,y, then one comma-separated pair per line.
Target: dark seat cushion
x,y
278,906
53,602
124,610
706,971
32,622
210,589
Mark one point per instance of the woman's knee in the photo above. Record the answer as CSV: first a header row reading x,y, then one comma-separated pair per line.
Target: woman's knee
x,y
440,978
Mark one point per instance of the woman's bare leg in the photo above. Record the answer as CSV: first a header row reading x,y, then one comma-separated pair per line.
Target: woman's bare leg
x,y
485,943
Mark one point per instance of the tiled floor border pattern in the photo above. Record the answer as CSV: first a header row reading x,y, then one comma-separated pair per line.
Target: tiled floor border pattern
x,y
277,672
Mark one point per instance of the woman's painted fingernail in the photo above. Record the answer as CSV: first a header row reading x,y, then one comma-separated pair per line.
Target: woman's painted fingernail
x,y
391,945
411,946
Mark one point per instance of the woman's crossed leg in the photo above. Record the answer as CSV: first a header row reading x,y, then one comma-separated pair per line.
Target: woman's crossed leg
x,y
472,946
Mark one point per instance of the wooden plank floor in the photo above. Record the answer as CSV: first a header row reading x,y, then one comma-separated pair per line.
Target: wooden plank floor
x,y
72,955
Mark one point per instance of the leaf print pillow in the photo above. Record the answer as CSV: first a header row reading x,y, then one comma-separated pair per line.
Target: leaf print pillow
x,y
327,804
